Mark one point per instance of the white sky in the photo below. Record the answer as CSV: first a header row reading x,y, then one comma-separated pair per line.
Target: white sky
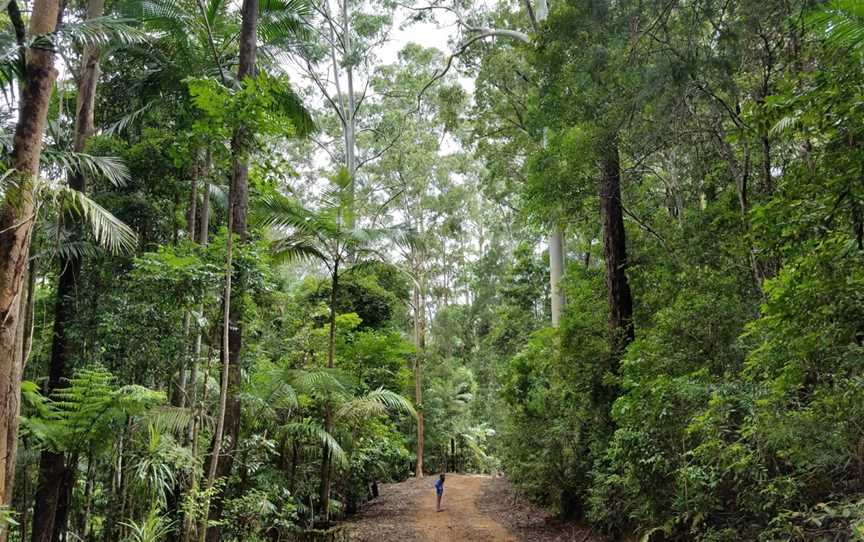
x,y
425,33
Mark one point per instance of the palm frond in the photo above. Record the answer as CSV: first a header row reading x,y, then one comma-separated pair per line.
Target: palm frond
x,y
290,250
218,194
280,211
103,31
320,381
122,124
107,229
312,432
375,403
291,106
284,21
110,168
4,183
168,14
273,390
11,68
842,24
69,249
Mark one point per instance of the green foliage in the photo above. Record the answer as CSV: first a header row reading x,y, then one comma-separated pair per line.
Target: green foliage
x,y
733,415
153,528
265,105
83,415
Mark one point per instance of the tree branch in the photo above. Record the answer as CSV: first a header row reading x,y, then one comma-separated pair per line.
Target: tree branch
x,y
483,33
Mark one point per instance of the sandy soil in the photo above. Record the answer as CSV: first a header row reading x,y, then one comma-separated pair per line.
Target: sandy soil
x,y
475,509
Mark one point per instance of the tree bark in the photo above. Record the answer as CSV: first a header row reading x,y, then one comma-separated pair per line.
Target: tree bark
x,y
324,490
620,298
556,273
179,397
239,205
17,216
350,114
54,473
420,342
204,218
14,401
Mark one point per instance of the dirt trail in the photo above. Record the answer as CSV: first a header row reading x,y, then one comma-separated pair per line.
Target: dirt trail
x,y
459,519
475,509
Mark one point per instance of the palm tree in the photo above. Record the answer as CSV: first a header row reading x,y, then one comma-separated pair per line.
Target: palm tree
x,y
331,236
842,24
277,390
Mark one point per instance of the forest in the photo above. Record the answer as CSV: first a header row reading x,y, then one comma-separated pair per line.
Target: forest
x,y
264,260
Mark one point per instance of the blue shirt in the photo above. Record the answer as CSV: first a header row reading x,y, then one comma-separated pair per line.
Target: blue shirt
x,y
439,486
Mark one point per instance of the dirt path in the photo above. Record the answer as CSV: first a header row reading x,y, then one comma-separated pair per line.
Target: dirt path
x,y
460,518
476,509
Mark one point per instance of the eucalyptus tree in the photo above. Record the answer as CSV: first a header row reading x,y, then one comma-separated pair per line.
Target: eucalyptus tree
x,y
475,29
339,64
527,122
416,179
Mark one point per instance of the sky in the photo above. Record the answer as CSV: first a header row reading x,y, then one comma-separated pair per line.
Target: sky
x,y
435,34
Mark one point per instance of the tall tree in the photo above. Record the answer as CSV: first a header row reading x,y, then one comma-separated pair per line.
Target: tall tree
x,y
17,219
330,235
536,16
56,475
222,458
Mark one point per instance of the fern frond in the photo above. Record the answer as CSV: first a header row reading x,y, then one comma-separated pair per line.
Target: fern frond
x,y
169,419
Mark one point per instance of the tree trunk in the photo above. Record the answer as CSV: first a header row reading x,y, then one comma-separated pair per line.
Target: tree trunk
x,y
17,217
453,454
64,499
14,401
239,198
765,267
204,218
295,459
420,342
111,516
324,490
83,517
179,397
615,251
53,475
556,273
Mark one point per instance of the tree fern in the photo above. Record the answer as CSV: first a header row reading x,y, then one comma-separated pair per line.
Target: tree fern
x,y
85,413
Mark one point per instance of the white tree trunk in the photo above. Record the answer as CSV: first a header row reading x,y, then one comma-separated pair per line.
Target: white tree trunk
x,y
556,272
